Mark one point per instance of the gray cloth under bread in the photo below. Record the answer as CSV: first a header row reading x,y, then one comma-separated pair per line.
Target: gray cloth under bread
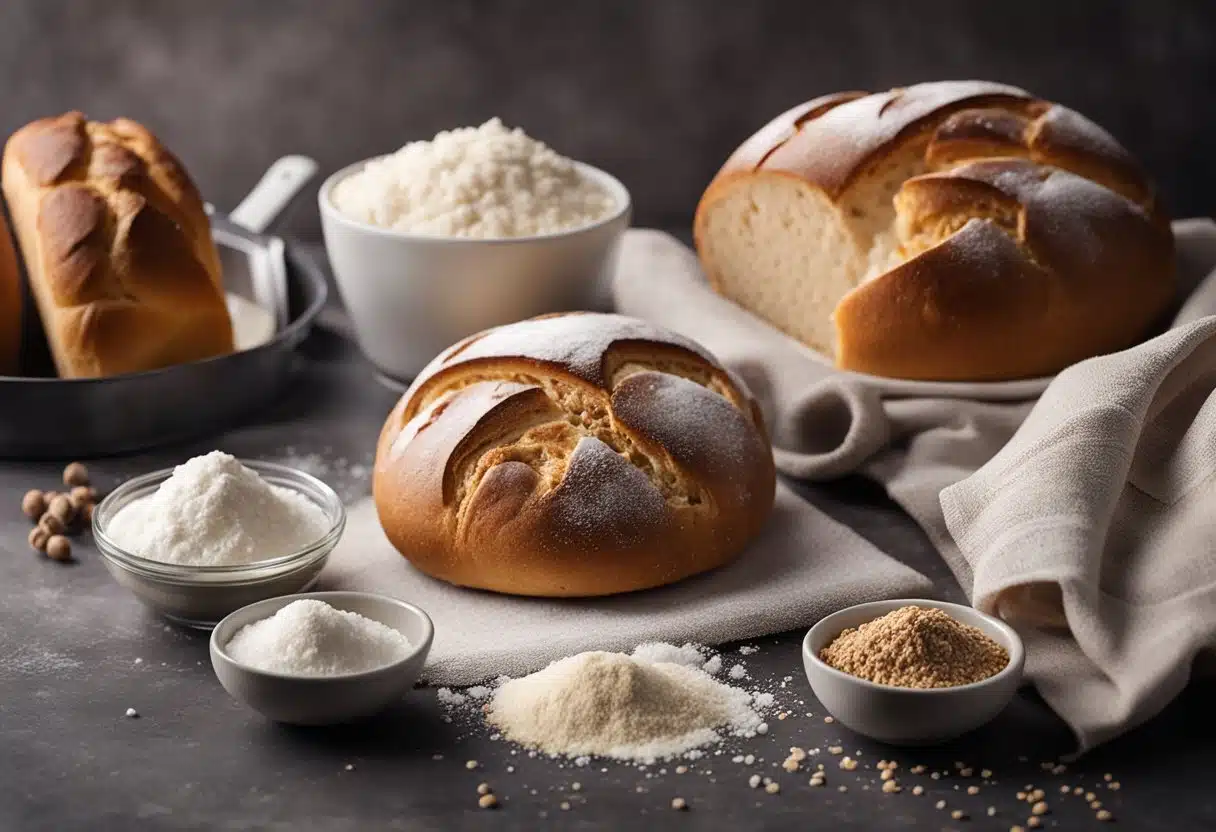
x,y
802,567
1078,514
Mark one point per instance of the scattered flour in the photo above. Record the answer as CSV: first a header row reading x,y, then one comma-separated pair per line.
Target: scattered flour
x,y
213,511
310,638
621,706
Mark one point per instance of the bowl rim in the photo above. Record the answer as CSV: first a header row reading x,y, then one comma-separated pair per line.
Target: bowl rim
x,y
423,646
1013,646
269,568
330,212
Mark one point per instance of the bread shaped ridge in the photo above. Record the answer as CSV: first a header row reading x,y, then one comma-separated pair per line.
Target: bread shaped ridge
x,y
946,231
577,454
117,247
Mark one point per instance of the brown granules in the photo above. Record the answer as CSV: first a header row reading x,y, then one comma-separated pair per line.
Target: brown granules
x,y
916,647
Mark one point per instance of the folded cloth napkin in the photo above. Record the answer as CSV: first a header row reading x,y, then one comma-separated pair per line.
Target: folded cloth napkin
x,y
1083,525
803,566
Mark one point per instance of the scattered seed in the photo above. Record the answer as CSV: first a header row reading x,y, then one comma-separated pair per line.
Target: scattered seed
x,y
918,790
470,765
773,787
1090,796
754,781
941,804
1063,789
973,790
1021,795
679,804
798,753
487,801
75,474
132,713
1078,791
887,773
986,773
842,788
991,811
681,769
917,769
1039,808
891,786
1108,777
1033,822
565,806
848,763
1097,804
33,504
958,814
835,749
1104,815
936,776
484,788
1114,786
350,766
576,786
791,765
829,720
964,772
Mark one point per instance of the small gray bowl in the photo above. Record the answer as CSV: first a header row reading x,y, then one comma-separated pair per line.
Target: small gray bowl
x,y
324,700
910,716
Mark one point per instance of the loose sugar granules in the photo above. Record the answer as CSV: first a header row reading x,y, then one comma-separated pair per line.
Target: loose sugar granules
x,y
916,647
311,638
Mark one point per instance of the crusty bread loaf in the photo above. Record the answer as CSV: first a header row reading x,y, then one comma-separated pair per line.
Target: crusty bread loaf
x,y
573,455
10,303
955,231
117,247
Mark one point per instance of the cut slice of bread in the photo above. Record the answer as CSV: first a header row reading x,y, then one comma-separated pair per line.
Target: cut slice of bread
x,y
959,231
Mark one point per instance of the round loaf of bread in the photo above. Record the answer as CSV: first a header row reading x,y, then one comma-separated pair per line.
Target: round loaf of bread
x,y
10,303
573,455
953,231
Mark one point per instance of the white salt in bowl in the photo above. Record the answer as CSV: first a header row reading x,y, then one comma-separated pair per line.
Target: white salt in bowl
x,y
910,716
199,596
324,700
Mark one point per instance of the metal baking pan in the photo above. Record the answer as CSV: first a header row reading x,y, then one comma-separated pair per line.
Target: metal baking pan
x,y
42,417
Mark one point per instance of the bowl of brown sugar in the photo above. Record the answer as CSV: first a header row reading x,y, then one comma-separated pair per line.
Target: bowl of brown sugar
x,y
913,672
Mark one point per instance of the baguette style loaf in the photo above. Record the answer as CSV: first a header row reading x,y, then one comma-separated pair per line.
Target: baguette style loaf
x,y
10,303
117,247
573,455
952,231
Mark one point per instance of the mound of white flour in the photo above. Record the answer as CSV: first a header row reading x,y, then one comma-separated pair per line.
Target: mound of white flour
x,y
213,511
655,704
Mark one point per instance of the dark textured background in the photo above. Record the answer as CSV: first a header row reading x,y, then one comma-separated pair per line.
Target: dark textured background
x,y
658,91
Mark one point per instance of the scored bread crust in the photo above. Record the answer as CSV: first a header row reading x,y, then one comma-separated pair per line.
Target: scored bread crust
x,y
573,455
117,247
988,234
10,303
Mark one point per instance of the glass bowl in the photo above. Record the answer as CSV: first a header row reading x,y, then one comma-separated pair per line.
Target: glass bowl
x,y
200,596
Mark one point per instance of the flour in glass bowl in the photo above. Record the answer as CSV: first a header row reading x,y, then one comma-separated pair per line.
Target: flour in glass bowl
x,y
482,182
213,511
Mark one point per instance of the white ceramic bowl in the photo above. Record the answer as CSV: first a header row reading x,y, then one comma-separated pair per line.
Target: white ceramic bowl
x,y
199,596
909,716
410,296
324,700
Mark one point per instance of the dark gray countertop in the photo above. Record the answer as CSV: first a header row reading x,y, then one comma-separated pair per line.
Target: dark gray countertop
x,y
70,639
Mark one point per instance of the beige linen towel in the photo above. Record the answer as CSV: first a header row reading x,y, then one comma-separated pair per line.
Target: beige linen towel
x,y
920,439
803,566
